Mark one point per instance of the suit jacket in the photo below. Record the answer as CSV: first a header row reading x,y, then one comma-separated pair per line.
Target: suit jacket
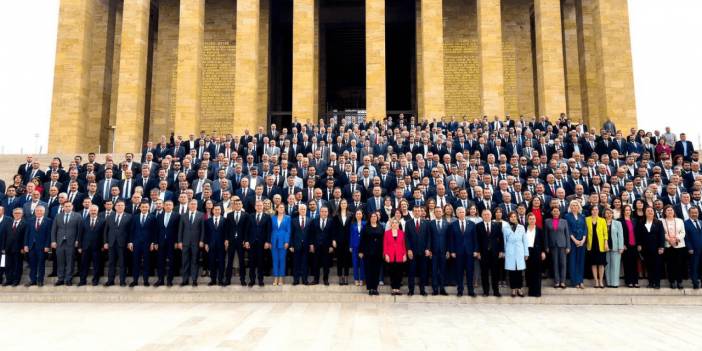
x,y
167,233
11,240
438,241
237,232
394,247
117,234
143,234
38,237
322,238
67,232
463,242
417,240
191,234
215,234
300,236
280,234
259,231
492,242
557,238
693,236
91,237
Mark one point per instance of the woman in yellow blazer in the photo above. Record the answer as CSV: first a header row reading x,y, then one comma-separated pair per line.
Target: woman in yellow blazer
x,y
597,246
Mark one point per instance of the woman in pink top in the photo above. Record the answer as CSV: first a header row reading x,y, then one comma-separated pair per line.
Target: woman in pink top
x,y
395,254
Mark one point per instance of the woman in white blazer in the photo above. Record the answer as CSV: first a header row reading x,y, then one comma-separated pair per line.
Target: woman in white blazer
x,y
674,229
516,252
616,247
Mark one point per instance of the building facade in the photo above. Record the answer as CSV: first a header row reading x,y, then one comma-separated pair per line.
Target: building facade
x,y
132,70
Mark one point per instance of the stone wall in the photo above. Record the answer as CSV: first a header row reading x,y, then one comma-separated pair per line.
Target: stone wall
x,y
163,86
517,58
461,60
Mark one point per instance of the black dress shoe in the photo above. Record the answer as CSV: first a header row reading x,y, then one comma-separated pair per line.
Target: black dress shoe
x,y
108,284
459,294
68,283
185,283
194,284
5,284
497,294
212,283
680,286
157,284
443,292
122,284
410,293
326,283
40,284
434,293
295,283
376,292
132,284
471,293
169,284
315,282
486,294
370,292
95,283
30,284
250,284
147,284
58,283
423,293
243,283
260,283
82,283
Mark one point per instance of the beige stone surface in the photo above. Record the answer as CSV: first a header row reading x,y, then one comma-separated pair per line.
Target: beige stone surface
x,y
461,59
164,71
432,47
572,62
590,88
132,76
492,84
375,60
191,36
305,66
69,106
263,62
100,76
615,71
348,326
247,65
517,58
549,58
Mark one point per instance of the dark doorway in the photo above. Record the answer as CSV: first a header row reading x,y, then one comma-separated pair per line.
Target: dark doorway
x,y
400,57
342,55
280,68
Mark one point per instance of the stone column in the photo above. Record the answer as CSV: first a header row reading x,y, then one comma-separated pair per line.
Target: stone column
x,y
549,58
305,75
431,83
492,85
614,68
71,76
375,60
191,36
132,76
246,66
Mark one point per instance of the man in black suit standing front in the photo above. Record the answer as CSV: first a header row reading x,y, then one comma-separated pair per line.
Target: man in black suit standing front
x,y
417,236
257,241
117,229
491,246
167,223
12,232
90,246
236,230
322,238
191,236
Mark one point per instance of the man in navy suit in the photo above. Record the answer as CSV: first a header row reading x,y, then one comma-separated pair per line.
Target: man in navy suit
x,y
167,231
463,245
36,243
417,236
142,241
117,229
237,229
90,245
256,240
684,147
438,247
300,244
322,233
12,233
693,242
214,245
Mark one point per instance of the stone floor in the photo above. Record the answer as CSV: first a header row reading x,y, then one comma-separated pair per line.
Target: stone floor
x,y
344,326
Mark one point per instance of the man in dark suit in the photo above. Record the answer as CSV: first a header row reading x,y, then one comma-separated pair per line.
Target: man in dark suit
x,y
65,233
491,247
684,147
417,236
167,233
36,243
322,233
463,245
141,241
438,247
258,238
90,246
693,243
236,230
12,232
300,244
214,246
191,236
117,229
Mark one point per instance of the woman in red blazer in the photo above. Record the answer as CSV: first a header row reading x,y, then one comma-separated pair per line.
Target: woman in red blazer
x,y
395,254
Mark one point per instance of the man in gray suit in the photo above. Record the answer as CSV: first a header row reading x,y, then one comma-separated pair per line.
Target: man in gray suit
x,y
191,236
64,238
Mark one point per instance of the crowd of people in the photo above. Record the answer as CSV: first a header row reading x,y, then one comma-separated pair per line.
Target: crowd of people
x,y
522,201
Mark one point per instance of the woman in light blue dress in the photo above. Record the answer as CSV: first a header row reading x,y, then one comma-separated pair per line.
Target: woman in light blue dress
x,y
516,252
280,238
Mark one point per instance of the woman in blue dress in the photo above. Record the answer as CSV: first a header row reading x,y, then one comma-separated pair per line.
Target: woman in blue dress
x,y
280,238
578,237
354,243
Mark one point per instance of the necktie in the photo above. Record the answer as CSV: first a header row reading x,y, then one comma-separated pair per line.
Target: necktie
x,y
417,224
167,218
92,223
36,227
65,218
14,225
143,218
463,227
302,222
216,222
236,217
438,224
258,218
192,217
